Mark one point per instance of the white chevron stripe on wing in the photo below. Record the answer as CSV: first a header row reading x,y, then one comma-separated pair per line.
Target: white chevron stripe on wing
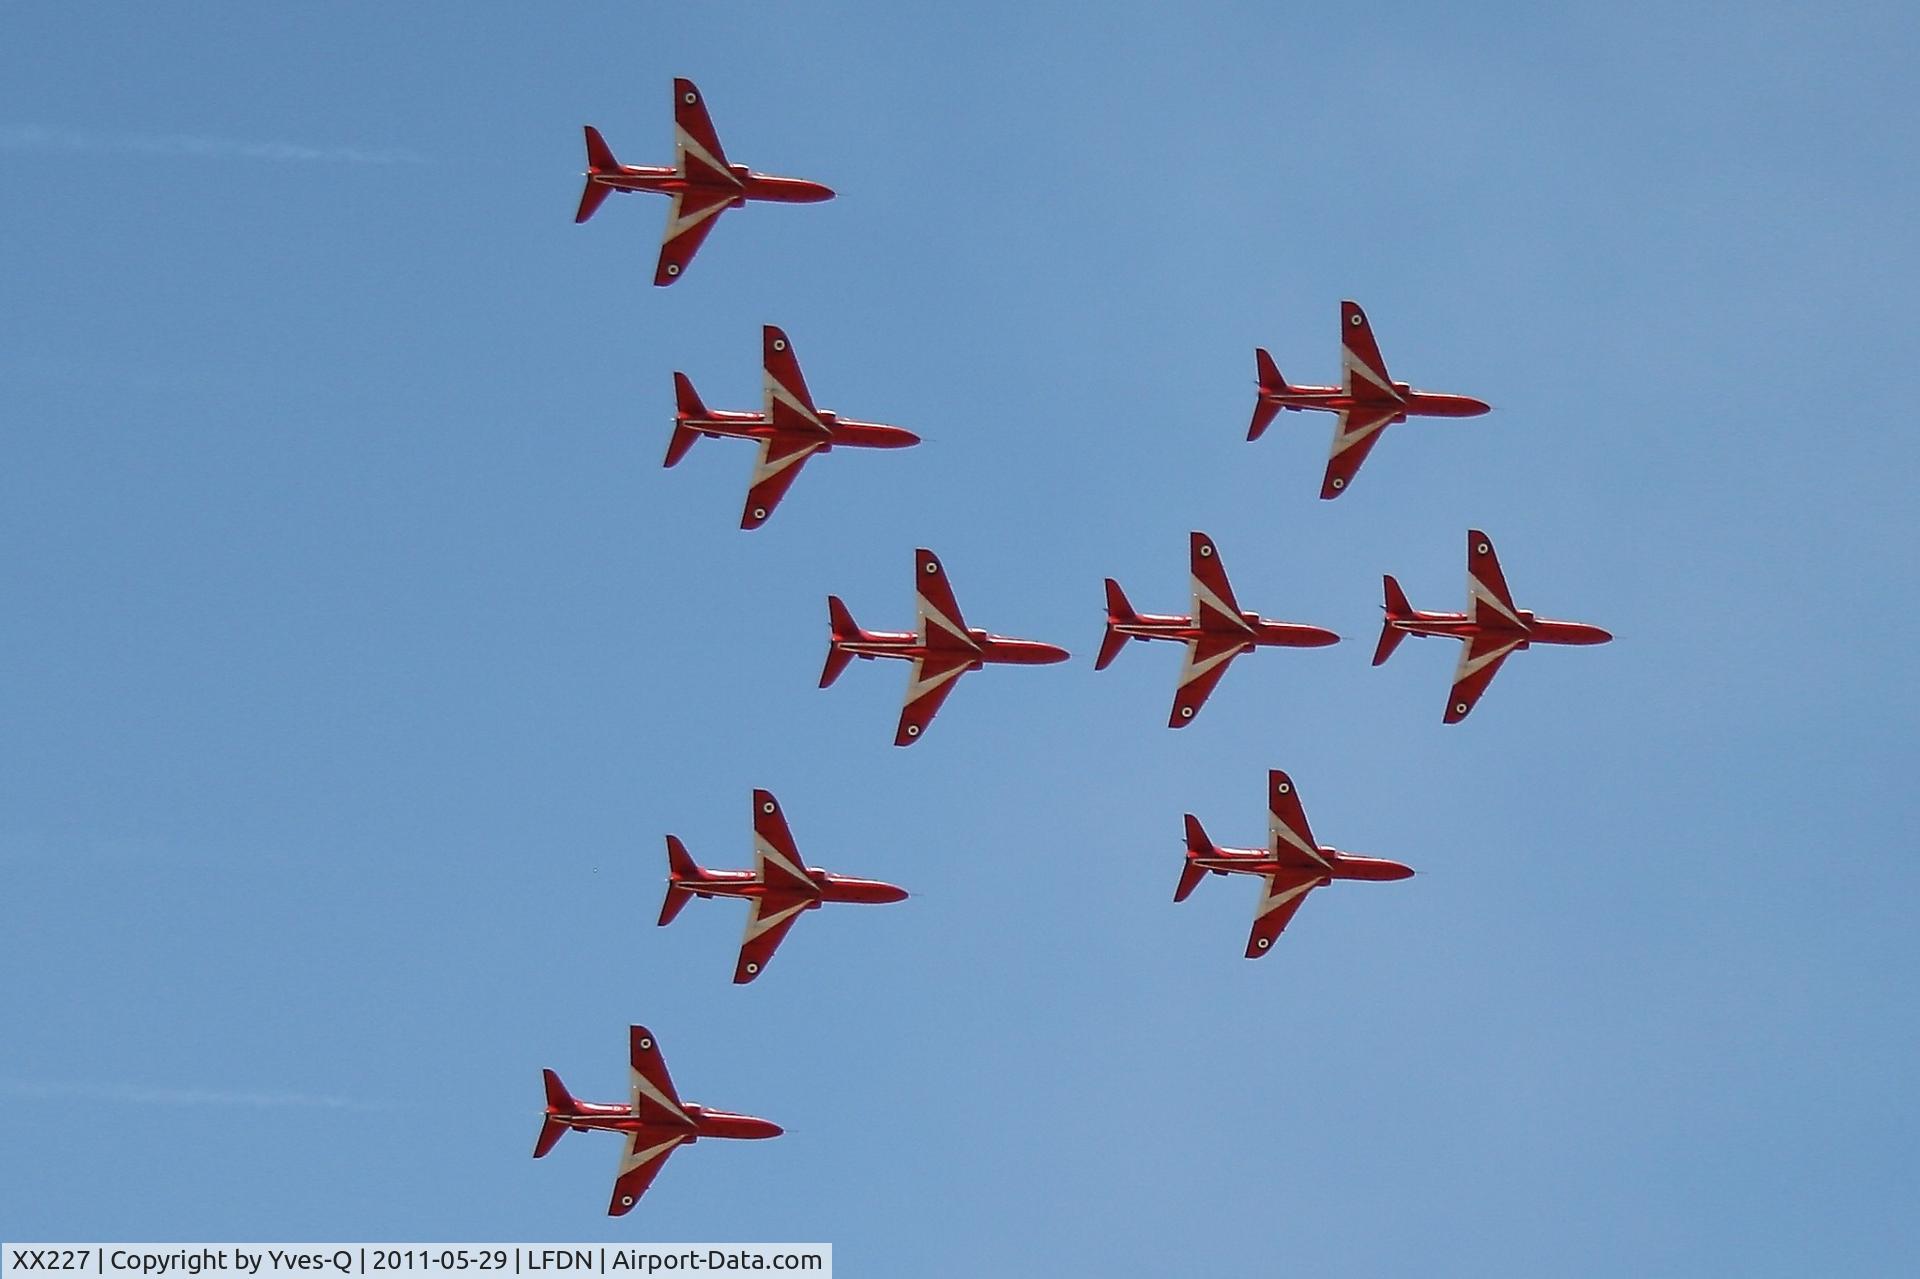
x,y
776,392
1271,901
1472,665
644,1088
635,1156
758,923
1278,833
689,146
931,616
1193,670
1479,593
765,852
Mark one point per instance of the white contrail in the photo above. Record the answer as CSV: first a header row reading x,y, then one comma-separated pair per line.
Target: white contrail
x,y
34,137
135,1095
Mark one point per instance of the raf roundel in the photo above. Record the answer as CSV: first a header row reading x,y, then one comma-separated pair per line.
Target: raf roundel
x,y
626,1201
913,730
1284,789
1459,708
1186,712
690,98
932,566
673,268
646,1044
1482,548
752,968
1264,943
767,807
759,512
1339,483
779,344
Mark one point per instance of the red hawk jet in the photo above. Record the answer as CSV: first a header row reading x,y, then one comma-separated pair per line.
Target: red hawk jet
x,y
703,185
790,430
1366,403
656,1122
1218,631
1492,627
1292,863
778,888
942,650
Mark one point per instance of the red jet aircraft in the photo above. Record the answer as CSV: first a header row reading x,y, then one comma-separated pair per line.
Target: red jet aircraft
x,y
778,888
703,185
790,429
1218,631
1492,627
1367,403
656,1122
1292,863
942,650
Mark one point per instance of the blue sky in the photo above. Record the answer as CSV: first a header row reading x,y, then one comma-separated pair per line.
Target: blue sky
x,y
356,652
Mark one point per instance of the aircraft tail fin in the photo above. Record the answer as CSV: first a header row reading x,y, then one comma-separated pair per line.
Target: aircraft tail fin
x,y
1271,383
599,160
682,870
1118,610
844,629
560,1104
686,404
1397,608
1198,845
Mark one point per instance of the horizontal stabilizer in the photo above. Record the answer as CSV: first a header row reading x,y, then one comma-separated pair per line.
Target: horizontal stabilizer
x,y
559,1103
843,628
1390,635
1198,845
1118,610
1271,383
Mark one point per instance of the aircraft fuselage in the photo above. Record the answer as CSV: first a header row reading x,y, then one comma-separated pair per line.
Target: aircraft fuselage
x,y
1261,631
596,1116
1259,861
833,888
751,185
1534,630
732,424
987,649
1411,403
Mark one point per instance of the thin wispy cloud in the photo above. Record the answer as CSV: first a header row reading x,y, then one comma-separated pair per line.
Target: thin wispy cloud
x,y
136,1095
34,137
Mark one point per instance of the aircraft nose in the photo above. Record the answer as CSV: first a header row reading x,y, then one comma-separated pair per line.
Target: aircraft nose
x,y
1047,654
892,893
814,191
1600,636
1476,407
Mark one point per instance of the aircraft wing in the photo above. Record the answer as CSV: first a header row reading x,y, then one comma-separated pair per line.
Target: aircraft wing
x,y
1488,600
696,146
1278,903
645,1155
789,406
690,217
1213,601
1355,432
933,678
775,858
768,920
941,625
654,1099
1207,660
1289,837
1365,373
781,456
1479,661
